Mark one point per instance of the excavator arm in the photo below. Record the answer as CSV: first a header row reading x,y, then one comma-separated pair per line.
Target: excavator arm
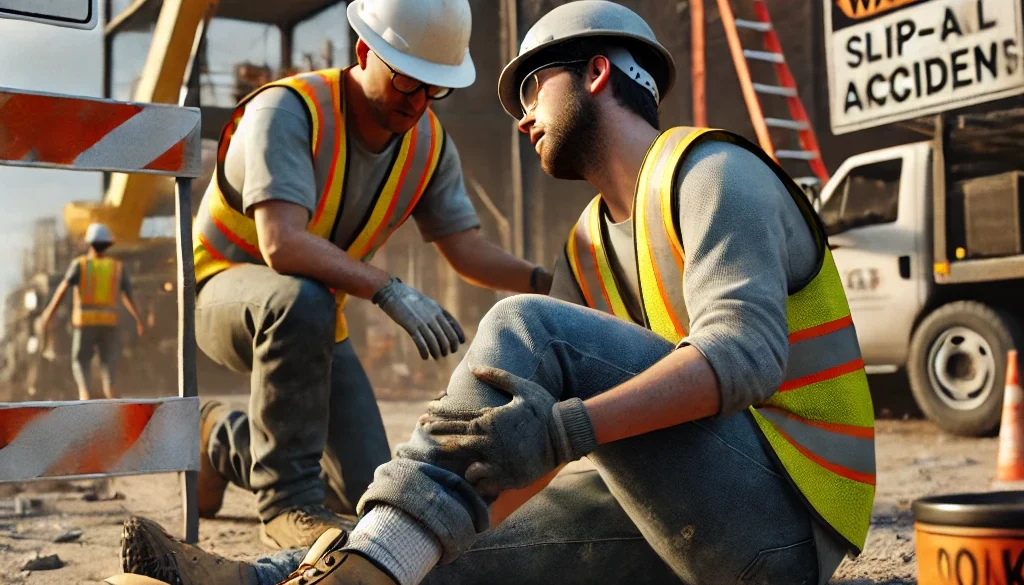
x,y
176,37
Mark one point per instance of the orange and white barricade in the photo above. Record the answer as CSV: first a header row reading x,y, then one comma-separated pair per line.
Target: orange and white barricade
x,y
106,438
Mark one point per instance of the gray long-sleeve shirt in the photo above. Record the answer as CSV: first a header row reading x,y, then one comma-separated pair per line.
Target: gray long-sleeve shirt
x,y
746,246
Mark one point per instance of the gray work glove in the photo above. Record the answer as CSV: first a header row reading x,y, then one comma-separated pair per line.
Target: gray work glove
x,y
516,444
432,328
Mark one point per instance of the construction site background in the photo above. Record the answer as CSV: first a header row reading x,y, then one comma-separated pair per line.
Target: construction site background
x,y
520,207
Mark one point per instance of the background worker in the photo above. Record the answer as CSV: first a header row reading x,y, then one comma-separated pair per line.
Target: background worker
x,y
99,281
314,173
733,430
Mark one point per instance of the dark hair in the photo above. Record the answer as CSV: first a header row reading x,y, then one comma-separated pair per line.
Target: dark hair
x,y
628,93
100,247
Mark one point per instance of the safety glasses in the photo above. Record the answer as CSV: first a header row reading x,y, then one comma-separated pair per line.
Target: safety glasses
x,y
407,85
530,86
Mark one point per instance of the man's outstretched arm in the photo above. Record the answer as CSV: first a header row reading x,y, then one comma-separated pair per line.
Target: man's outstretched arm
x,y
483,263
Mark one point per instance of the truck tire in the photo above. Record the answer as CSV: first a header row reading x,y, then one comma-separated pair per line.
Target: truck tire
x,y
957,366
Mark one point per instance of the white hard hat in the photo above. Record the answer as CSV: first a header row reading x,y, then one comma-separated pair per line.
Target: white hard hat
x,y
591,18
98,234
427,40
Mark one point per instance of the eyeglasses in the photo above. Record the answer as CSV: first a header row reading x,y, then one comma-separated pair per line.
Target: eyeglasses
x,y
407,85
530,86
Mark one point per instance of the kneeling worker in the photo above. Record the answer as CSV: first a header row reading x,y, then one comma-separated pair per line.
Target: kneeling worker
x,y
314,173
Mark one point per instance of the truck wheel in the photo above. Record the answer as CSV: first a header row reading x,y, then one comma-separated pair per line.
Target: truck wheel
x,y
957,366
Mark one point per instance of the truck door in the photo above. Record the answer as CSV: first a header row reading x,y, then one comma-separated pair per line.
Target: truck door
x,y
870,210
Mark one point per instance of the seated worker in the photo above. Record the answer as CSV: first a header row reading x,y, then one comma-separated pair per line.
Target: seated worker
x,y
705,362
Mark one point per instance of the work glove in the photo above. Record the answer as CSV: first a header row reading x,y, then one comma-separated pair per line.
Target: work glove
x,y
435,332
516,444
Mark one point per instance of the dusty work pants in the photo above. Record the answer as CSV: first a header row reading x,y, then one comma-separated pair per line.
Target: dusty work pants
x,y
85,342
701,502
312,413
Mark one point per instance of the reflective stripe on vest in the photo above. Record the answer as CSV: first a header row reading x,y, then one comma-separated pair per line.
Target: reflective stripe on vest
x,y
588,258
820,422
226,237
95,298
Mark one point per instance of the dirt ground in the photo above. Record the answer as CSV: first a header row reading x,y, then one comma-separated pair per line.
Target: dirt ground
x,y
914,460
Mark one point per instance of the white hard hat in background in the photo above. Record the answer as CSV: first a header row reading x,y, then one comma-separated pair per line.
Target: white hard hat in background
x,y
590,18
427,40
99,234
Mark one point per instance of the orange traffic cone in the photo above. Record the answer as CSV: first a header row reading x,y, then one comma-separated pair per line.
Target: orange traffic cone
x,y
1010,462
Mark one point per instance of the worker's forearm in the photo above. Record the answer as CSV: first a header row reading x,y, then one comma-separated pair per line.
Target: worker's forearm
x,y
130,305
304,254
486,265
680,388
511,500
51,308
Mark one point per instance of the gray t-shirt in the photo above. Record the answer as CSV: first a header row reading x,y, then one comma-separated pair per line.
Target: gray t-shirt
x,y
74,274
269,159
747,245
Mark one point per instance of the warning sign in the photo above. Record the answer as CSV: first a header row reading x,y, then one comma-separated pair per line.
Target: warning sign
x,y
891,60
66,13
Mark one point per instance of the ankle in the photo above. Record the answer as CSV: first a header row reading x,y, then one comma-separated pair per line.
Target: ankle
x,y
395,543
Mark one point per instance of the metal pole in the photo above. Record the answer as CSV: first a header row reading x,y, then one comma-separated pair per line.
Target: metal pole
x,y
187,384
697,71
516,158
287,46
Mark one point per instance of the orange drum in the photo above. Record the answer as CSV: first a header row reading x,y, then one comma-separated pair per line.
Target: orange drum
x,y
970,539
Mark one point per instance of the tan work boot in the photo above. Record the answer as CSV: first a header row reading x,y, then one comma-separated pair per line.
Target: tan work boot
x,y
327,564
147,550
211,483
300,527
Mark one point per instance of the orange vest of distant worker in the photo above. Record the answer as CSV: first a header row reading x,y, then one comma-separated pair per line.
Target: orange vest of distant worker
x,y
226,237
820,422
95,297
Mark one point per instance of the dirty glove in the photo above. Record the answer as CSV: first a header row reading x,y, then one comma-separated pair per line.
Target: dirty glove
x,y
432,328
516,444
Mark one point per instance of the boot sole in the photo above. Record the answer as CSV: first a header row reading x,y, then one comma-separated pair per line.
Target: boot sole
x,y
211,486
142,553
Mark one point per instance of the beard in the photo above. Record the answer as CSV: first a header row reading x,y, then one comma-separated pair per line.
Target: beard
x,y
571,140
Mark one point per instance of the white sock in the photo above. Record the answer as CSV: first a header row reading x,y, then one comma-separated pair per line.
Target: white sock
x,y
396,541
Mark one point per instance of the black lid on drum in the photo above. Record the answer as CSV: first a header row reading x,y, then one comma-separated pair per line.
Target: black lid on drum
x,y
982,510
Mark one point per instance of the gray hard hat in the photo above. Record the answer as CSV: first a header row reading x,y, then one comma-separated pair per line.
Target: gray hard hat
x,y
98,234
587,18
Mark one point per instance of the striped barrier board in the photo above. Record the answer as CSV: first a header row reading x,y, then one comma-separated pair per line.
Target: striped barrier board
x,y
105,438
98,438
89,134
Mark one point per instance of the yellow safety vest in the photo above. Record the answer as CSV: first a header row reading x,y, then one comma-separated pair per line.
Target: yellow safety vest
x,y
95,297
820,422
226,237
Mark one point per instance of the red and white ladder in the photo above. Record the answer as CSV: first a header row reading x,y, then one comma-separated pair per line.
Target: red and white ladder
x,y
785,88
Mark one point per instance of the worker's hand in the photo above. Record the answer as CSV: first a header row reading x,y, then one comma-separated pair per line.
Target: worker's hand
x,y
515,444
139,328
434,330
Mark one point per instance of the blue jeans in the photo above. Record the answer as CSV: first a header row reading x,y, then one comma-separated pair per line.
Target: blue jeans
x,y
701,502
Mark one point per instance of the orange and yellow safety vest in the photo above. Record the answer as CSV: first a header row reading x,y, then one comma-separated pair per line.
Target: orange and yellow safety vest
x,y
225,236
95,297
820,421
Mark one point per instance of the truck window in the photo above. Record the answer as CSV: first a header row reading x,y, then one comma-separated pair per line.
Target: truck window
x,y
868,195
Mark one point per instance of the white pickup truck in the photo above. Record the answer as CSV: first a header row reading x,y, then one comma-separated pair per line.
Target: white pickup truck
x,y
928,240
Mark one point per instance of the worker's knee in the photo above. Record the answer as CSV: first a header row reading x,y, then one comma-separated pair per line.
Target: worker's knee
x,y
520,313
304,306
